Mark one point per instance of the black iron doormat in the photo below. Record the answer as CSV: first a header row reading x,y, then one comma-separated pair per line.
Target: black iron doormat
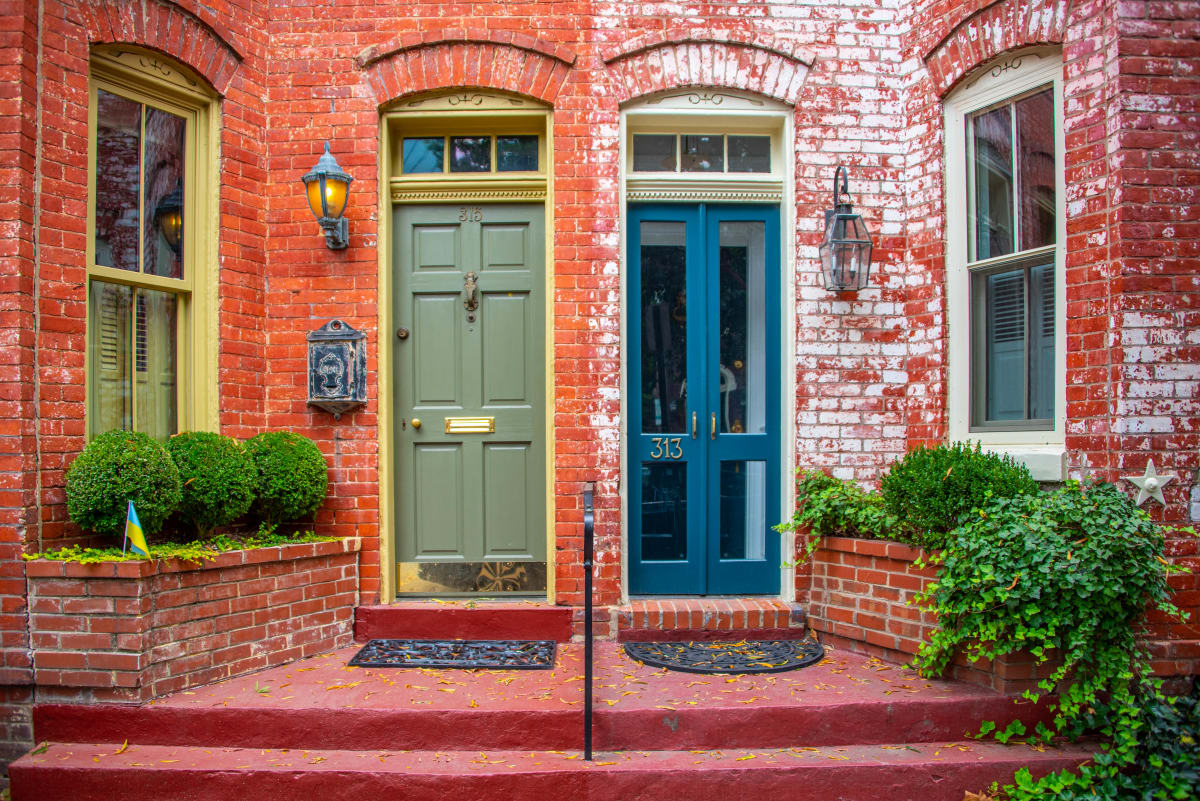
x,y
747,656
486,654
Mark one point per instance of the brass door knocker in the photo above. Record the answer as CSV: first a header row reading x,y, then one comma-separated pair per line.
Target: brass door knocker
x,y
471,287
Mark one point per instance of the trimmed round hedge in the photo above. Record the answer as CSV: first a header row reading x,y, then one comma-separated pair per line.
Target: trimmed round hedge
x,y
931,489
219,479
116,468
292,477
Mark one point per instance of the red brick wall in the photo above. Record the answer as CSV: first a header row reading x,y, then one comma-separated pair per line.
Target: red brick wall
x,y
133,631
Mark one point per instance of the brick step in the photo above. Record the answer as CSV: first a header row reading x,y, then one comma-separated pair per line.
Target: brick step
x,y
933,771
321,703
681,619
463,620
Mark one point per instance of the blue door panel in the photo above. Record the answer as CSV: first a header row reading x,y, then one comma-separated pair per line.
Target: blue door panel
x,y
704,492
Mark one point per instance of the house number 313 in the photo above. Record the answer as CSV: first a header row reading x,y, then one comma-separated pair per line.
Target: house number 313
x,y
470,214
666,448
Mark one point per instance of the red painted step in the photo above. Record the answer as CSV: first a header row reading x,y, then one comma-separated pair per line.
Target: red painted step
x,y
925,771
321,703
463,620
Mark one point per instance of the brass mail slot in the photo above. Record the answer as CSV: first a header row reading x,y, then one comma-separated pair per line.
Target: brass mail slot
x,y
470,425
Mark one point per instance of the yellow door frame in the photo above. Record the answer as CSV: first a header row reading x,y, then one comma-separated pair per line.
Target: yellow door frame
x,y
456,112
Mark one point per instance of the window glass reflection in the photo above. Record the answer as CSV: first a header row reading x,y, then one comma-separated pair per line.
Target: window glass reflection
x,y
664,511
423,154
664,327
118,159
470,154
163,182
702,153
516,153
743,362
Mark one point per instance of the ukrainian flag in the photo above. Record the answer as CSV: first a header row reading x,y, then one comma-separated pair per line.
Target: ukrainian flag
x,y
133,533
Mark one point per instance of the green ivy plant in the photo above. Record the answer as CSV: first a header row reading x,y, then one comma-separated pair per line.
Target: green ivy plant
x,y
830,507
1067,574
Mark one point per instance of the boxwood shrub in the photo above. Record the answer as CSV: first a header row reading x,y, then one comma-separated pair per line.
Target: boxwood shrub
x,y
118,467
931,489
291,476
218,478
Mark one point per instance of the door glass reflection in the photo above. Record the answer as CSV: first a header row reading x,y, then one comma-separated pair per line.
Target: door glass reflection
x,y
664,511
664,327
743,362
743,510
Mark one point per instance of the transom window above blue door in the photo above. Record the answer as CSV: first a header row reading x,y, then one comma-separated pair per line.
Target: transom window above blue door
x,y
698,152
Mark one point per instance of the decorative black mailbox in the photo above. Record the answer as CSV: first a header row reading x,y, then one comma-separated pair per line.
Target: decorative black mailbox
x,y
337,368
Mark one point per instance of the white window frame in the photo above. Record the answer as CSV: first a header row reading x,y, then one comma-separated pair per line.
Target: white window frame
x,y
1009,76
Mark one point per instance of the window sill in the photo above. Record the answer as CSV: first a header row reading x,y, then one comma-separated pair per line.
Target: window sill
x,y
1047,463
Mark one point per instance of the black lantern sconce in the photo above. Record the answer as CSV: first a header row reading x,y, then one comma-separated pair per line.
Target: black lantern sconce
x,y
328,187
846,249
337,368
168,216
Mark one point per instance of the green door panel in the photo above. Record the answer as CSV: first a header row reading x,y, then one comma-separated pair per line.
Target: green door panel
x,y
469,498
505,371
506,484
438,478
437,317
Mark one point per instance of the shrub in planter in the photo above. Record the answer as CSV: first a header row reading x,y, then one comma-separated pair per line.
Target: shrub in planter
x,y
291,476
931,489
116,468
218,478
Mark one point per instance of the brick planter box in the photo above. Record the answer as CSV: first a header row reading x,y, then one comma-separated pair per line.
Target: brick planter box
x,y
859,599
132,631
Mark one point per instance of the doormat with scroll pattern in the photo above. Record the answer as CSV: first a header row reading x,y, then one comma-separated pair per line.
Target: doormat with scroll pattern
x,y
745,656
462,654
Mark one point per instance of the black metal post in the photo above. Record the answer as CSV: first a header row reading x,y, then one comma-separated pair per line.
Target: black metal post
x,y
588,554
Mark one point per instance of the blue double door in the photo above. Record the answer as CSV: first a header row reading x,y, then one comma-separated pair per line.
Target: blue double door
x,y
704,387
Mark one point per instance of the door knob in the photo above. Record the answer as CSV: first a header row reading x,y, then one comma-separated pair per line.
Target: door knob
x,y
416,422
402,333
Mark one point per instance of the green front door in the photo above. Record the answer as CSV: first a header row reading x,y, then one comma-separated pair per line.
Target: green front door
x,y
469,390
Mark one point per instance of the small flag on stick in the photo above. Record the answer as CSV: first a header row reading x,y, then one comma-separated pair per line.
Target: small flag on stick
x,y
133,533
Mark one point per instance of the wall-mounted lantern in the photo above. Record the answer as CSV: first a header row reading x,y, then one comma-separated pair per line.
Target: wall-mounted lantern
x,y
328,187
846,249
337,368
168,216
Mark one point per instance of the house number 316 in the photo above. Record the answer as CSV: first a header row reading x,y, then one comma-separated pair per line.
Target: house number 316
x,y
666,448
470,214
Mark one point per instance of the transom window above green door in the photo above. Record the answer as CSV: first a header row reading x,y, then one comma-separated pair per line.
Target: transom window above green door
x,y
472,153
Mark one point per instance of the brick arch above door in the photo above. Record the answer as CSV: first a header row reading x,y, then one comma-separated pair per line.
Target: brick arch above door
x,y
451,59
686,58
